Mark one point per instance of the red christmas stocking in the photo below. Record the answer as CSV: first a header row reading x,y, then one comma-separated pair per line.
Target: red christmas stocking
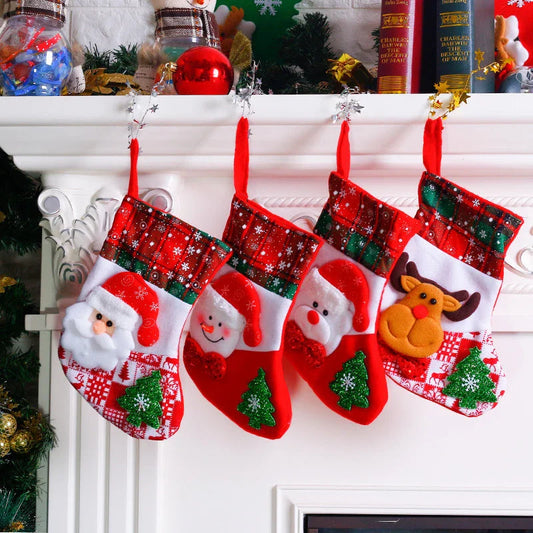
x,y
331,337
119,348
233,351
434,329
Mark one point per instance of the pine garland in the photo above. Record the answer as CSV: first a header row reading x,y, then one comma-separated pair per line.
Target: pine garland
x,y
19,215
121,60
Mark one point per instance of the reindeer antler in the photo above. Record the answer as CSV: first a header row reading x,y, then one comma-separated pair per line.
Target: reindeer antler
x,y
467,308
398,271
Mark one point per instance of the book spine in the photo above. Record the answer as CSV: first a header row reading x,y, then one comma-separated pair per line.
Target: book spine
x,y
400,46
484,42
455,38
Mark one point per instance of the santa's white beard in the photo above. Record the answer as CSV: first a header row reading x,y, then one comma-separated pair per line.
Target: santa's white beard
x,y
327,332
89,349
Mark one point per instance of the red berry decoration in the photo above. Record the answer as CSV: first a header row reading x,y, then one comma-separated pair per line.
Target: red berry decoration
x,y
203,70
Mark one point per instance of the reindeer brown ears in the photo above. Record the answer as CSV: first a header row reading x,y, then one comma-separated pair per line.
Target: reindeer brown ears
x,y
405,267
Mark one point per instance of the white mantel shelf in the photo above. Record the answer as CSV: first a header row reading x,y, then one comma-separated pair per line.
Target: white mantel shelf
x,y
194,135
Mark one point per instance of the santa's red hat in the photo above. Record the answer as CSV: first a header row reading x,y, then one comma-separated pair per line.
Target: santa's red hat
x,y
123,298
241,294
351,282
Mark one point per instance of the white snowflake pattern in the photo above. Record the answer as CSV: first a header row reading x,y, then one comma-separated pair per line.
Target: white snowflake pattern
x,y
437,216
197,236
283,265
135,243
141,293
177,250
368,230
254,403
459,198
250,306
267,6
142,402
289,251
482,233
191,249
476,203
259,230
518,3
480,257
185,267
234,261
470,383
276,282
468,259
269,269
348,382
154,307
300,246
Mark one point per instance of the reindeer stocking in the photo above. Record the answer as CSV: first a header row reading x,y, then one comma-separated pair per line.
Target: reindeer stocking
x,y
331,336
436,340
233,352
119,348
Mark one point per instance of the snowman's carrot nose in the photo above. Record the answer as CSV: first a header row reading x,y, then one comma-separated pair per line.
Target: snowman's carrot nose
x,y
207,328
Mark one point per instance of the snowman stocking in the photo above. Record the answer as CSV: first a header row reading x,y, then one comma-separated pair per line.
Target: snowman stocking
x,y
434,328
119,347
331,337
233,351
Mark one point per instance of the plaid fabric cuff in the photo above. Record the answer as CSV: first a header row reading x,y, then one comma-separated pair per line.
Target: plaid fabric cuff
x,y
364,228
270,251
164,250
474,230
185,22
55,9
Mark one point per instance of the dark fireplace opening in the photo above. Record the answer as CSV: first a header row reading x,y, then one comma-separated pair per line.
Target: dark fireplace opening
x,y
417,524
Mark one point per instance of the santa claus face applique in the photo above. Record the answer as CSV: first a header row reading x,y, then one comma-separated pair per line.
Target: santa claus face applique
x,y
99,331
216,325
322,312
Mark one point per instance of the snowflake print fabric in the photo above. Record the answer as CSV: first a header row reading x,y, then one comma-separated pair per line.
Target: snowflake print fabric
x,y
435,326
119,347
234,348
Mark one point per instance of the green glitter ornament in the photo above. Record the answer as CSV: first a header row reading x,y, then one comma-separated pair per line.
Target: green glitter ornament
x,y
256,404
351,383
471,382
143,400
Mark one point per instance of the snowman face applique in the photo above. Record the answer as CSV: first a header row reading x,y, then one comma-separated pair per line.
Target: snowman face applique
x,y
322,312
215,324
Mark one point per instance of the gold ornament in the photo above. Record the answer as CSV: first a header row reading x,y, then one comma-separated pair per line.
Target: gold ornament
x,y
16,526
6,281
21,442
5,448
8,425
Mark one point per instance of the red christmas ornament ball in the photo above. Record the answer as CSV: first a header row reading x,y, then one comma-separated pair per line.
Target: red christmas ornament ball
x,y
203,70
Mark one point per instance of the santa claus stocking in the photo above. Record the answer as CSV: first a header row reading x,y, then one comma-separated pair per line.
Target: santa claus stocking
x,y
434,330
331,336
233,351
119,348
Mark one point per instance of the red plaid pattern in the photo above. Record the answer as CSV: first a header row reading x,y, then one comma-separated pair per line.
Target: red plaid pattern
x,y
465,226
270,251
102,389
362,227
441,365
164,250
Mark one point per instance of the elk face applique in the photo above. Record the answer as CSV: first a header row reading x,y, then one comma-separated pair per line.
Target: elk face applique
x,y
412,326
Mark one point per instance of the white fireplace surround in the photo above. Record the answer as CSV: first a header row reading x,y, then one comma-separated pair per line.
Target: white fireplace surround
x,y
416,457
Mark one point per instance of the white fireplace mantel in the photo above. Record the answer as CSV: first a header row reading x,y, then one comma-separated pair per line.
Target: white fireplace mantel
x,y
212,476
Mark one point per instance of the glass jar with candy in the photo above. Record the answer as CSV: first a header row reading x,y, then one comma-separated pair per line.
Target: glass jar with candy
x,y
35,58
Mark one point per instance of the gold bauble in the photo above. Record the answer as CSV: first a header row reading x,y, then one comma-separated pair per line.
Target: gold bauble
x,y
5,448
8,425
21,441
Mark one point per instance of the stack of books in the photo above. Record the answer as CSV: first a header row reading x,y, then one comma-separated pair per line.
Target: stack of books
x,y
424,42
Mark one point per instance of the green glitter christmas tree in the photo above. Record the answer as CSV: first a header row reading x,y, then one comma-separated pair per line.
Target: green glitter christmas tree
x,y
351,383
471,382
142,401
256,404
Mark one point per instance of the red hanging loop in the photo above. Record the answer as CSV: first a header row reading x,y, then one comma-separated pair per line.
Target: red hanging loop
x,y
343,151
242,158
133,189
432,151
